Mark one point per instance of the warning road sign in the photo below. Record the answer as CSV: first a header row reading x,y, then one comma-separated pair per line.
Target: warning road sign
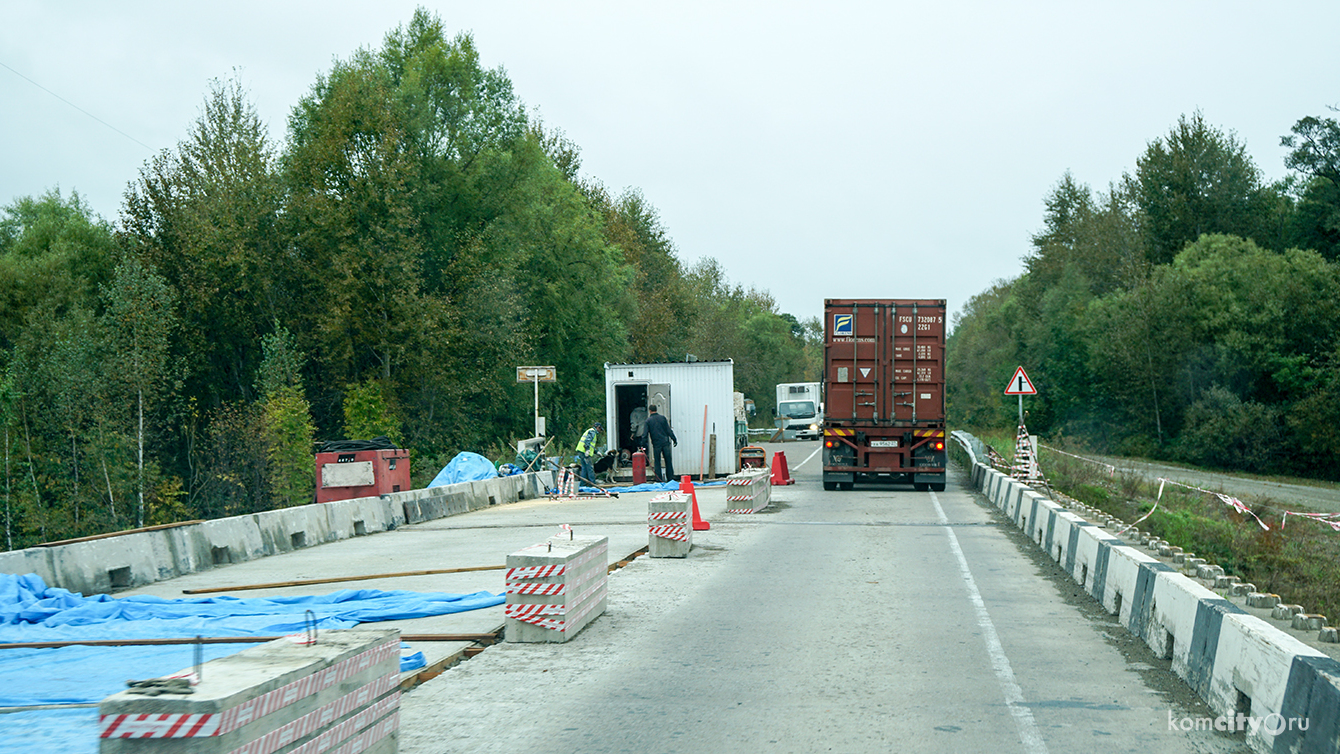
x,y
1020,384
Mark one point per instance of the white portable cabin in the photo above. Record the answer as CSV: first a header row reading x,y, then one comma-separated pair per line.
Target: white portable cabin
x,y
683,392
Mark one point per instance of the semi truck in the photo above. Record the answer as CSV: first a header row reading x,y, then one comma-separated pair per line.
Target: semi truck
x,y
799,410
884,392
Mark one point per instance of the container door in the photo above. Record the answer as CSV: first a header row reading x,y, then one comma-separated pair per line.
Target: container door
x,y
854,363
659,396
918,374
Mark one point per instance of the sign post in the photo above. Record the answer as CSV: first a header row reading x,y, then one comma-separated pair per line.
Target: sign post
x,y
1020,385
536,375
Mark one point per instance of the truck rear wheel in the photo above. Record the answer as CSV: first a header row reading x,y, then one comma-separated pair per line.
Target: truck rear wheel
x,y
830,486
938,486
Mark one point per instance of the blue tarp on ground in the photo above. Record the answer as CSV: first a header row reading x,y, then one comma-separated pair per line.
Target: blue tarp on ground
x,y
31,612
465,467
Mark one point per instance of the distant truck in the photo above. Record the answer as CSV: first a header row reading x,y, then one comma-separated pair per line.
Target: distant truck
x,y
884,391
799,410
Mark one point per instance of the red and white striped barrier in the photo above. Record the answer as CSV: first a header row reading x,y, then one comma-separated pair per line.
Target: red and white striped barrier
x,y
347,701
669,534
669,525
217,724
748,491
569,567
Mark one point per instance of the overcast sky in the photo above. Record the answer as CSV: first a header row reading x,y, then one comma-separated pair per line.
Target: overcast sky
x,y
873,149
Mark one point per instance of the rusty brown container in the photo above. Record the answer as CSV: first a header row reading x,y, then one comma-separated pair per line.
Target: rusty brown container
x,y
884,391
884,362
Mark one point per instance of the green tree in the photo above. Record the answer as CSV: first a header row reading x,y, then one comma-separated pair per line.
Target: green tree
x,y
1315,153
206,217
287,418
1197,180
140,321
370,412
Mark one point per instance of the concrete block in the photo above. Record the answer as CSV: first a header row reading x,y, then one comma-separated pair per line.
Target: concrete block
x,y
1258,599
669,533
1241,589
555,588
215,543
365,515
341,691
483,495
1209,572
1329,635
101,566
1308,621
1285,612
289,529
32,560
748,491
1224,582
1251,659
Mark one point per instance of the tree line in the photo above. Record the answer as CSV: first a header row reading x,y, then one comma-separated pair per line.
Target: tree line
x,y
415,237
1189,311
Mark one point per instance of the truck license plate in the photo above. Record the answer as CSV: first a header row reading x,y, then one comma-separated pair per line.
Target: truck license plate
x,y
883,443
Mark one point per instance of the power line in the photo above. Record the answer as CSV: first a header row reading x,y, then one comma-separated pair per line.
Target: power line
x,y
77,107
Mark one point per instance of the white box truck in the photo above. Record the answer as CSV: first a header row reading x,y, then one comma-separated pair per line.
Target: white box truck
x,y
799,410
696,397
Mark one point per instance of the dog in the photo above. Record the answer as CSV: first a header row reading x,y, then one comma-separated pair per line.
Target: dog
x,y
606,465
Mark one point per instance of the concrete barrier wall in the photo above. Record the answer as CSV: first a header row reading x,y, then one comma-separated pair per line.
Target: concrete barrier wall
x,y
100,566
1235,661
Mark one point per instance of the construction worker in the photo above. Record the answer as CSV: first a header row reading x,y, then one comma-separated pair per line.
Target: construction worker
x,y
587,450
658,434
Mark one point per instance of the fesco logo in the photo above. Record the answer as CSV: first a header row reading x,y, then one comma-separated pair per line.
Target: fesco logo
x,y
842,324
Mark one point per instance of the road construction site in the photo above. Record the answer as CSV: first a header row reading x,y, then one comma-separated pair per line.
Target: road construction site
x,y
871,620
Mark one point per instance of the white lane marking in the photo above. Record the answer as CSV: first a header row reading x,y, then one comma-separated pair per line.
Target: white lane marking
x,y
811,456
1014,696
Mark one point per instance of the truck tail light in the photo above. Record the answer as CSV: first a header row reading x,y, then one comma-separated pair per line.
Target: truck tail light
x,y
830,444
939,446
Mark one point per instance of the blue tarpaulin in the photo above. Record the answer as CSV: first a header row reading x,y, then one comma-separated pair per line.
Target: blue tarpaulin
x,y
465,467
30,611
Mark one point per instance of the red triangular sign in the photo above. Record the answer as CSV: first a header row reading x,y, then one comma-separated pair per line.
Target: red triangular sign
x,y
1020,384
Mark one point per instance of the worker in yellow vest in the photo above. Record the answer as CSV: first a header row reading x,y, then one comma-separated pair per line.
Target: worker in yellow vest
x,y
587,450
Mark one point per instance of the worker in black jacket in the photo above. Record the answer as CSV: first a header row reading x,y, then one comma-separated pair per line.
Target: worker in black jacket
x,y
657,431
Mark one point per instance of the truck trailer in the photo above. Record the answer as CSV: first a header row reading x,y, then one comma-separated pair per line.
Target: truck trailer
x,y
884,392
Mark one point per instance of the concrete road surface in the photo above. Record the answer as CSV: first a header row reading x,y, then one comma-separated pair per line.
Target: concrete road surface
x,y
876,620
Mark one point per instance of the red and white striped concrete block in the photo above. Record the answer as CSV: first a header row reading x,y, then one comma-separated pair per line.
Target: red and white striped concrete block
x,y
217,724
573,568
668,532
339,694
748,491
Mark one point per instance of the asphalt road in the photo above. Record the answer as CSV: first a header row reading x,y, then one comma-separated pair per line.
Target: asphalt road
x,y
875,620
1282,495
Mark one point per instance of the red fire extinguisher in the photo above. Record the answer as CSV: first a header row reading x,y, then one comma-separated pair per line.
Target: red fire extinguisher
x,y
639,468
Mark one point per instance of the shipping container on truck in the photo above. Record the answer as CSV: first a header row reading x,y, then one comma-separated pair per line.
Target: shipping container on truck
x,y
884,392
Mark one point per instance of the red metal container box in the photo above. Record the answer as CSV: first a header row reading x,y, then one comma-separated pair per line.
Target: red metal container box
x,y
884,391
362,473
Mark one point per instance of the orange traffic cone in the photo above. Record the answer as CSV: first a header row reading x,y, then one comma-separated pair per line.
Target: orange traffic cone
x,y
780,473
686,486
